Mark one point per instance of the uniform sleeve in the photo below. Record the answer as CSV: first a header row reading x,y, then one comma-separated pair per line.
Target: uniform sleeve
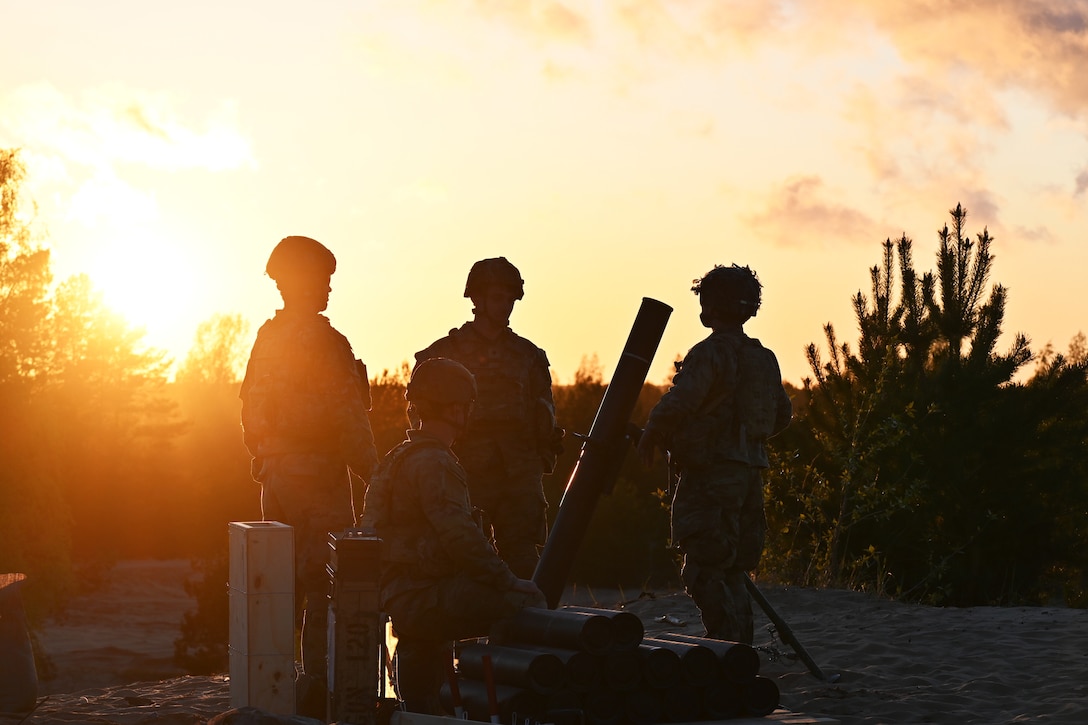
x,y
783,405
542,380
255,398
359,449
356,435
444,499
691,387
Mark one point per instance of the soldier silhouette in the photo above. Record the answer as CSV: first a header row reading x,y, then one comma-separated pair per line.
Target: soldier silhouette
x,y
305,403
512,438
726,400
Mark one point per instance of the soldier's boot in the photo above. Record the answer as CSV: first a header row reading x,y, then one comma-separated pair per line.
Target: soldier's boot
x,y
703,585
727,610
311,687
421,669
311,697
739,604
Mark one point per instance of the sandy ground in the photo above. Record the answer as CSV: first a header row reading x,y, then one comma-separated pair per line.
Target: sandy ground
x,y
896,663
123,633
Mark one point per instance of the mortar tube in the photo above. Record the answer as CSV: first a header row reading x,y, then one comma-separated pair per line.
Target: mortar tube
x,y
557,628
602,452
583,669
661,667
627,628
723,701
541,672
699,664
623,670
739,661
761,696
643,707
683,703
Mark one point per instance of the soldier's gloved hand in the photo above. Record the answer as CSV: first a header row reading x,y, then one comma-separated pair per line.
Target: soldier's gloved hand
x,y
647,442
558,434
526,593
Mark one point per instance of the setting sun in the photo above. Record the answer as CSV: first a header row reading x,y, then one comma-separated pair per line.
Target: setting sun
x,y
152,282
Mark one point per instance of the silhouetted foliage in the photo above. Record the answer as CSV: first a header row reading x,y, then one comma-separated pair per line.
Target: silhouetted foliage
x,y
917,466
25,276
112,426
84,420
388,413
217,355
34,517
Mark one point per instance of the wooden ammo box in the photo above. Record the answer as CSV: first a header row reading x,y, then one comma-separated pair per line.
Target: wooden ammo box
x,y
356,627
262,616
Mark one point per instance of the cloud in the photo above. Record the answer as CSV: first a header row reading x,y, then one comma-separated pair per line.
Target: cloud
x,y
1037,234
473,42
104,199
620,43
1081,183
548,18
800,212
982,206
915,129
114,124
84,150
1037,45
699,28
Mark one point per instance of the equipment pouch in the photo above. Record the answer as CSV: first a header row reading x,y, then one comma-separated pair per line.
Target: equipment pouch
x,y
549,436
694,444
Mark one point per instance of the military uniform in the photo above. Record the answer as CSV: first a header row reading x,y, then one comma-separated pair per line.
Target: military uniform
x,y
512,437
441,579
727,398
305,402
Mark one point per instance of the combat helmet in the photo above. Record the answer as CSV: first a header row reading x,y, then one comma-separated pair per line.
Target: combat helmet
x,y
496,270
729,285
441,380
300,257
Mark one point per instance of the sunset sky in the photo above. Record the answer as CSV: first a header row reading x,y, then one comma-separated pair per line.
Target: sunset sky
x,y
612,150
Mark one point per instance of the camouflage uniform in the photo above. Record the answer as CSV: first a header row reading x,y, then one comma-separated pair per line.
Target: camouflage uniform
x,y
727,398
511,440
304,417
441,579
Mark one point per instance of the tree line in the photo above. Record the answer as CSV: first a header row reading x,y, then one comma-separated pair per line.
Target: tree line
x,y
923,462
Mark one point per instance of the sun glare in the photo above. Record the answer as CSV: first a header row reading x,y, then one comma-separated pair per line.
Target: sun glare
x,y
152,283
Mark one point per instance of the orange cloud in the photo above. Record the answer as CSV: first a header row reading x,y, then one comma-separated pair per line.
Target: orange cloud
x,y
698,28
113,123
800,213
1037,45
549,18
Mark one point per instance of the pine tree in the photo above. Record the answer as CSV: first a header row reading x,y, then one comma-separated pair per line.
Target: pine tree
x,y
916,459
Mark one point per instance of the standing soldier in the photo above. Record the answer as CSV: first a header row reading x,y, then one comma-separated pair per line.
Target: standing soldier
x,y
305,402
441,580
726,400
512,438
